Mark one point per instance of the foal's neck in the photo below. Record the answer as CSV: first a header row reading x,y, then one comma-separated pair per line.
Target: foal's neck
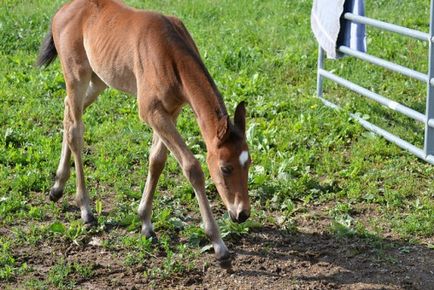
x,y
205,100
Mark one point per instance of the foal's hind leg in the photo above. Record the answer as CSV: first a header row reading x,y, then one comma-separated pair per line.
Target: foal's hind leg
x,y
96,86
63,170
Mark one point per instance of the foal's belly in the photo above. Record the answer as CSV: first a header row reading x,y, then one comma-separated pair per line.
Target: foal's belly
x,y
120,78
113,66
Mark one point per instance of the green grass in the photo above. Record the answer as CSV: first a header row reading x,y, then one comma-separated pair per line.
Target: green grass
x,y
303,153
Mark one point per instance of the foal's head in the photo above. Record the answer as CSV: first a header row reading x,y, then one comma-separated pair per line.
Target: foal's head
x,y
229,164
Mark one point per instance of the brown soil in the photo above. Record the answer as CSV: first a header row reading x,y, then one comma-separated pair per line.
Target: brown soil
x,y
267,258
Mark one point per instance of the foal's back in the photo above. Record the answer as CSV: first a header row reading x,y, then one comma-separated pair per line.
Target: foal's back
x,y
128,49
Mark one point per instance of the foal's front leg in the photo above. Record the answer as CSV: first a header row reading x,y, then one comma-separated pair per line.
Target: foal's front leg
x,y
157,160
163,125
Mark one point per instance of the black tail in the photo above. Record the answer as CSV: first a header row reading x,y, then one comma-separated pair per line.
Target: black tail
x,y
47,52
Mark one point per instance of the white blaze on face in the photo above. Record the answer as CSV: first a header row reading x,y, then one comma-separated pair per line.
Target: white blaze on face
x,y
244,156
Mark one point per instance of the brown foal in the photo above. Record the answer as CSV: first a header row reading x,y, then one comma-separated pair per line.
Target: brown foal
x,y
104,43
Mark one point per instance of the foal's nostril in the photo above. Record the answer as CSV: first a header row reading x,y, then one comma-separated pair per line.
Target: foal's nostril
x,y
242,217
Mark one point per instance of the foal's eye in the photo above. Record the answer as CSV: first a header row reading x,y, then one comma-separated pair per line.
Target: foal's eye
x,y
226,170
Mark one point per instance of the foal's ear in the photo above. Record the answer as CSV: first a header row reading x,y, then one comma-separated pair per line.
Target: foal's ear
x,y
223,129
240,117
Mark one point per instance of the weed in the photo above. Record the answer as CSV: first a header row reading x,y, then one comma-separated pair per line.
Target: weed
x,y
61,273
172,264
140,249
195,235
7,261
233,230
72,232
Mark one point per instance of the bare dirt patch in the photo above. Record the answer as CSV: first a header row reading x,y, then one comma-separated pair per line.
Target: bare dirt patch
x,y
266,258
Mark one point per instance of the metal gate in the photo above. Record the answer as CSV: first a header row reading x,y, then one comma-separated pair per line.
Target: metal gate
x,y
427,153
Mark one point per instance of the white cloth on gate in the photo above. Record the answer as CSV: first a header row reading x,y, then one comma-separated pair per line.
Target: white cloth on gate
x,y
331,30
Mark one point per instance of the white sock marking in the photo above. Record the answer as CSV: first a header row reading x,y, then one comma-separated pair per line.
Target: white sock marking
x,y
244,156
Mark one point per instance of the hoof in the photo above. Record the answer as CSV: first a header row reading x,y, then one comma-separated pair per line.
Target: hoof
x,y
150,235
225,262
90,221
55,194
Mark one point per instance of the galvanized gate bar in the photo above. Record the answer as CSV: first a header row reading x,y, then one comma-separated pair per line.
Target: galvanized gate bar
x,y
386,135
383,63
427,153
373,96
390,137
394,139
388,26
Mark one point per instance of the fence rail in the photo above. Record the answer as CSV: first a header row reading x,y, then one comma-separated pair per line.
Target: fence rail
x,y
427,153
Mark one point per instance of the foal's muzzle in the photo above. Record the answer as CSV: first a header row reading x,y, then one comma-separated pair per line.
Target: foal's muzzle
x,y
240,217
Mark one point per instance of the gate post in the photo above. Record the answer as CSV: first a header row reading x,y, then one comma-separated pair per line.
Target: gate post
x,y
429,128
